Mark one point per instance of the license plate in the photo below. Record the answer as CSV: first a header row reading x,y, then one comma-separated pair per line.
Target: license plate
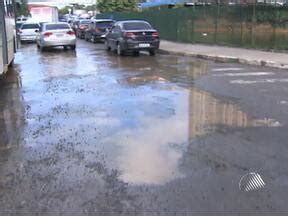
x,y
144,45
59,35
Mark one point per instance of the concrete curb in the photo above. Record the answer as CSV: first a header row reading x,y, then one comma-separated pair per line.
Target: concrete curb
x,y
226,59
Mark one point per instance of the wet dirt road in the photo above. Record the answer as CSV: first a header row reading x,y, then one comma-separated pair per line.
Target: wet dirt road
x,y
89,133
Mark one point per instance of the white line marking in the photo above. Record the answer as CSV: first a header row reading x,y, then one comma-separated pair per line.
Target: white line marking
x,y
244,74
258,81
227,69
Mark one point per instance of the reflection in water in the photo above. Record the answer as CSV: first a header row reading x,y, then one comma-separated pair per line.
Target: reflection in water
x,y
141,124
207,113
150,153
11,111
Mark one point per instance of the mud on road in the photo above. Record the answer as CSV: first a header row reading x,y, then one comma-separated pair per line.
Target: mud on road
x,y
90,133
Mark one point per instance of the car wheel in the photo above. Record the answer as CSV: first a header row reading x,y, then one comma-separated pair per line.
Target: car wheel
x,y
42,49
73,47
119,50
152,52
38,46
94,39
136,53
65,47
107,46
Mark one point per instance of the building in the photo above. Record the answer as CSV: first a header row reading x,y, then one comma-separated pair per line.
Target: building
x,y
62,3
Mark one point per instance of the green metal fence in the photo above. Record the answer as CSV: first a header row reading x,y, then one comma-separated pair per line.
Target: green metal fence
x,y
261,27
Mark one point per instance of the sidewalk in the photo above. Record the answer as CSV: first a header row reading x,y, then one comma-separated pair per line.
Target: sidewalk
x,y
226,54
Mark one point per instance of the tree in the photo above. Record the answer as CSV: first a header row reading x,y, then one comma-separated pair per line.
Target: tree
x,y
64,10
22,9
116,5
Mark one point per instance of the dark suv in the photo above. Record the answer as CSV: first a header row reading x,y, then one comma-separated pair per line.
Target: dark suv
x,y
82,26
134,36
98,29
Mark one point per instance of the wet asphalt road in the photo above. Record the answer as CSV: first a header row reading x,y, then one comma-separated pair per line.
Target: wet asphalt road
x,y
90,133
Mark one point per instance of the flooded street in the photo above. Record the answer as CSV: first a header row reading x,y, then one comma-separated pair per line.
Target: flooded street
x,y
91,133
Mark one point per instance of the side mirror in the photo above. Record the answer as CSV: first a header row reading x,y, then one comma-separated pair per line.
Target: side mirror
x,y
36,30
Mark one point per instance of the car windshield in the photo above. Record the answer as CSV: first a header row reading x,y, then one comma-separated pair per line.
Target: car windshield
x,y
30,26
104,24
136,26
57,26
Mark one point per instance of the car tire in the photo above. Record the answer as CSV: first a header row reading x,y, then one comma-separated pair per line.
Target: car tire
x,y
119,51
42,49
38,46
94,39
65,47
152,52
136,53
73,47
107,46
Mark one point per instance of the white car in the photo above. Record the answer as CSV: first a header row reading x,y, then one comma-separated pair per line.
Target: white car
x,y
56,34
28,31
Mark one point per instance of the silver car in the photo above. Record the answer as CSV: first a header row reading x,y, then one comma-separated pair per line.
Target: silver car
x,y
56,34
28,31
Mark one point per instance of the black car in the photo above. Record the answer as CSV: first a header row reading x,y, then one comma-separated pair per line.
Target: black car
x,y
134,36
82,26
97,29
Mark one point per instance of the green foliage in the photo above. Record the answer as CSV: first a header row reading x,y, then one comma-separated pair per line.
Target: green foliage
x,y
64,10
116,5
22,9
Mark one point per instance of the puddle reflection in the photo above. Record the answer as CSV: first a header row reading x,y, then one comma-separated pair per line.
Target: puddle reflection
x,y
149,153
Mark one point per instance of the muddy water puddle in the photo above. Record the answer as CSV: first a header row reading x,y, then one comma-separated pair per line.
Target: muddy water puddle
x,y
130,119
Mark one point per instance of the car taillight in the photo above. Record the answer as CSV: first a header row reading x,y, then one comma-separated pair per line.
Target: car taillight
x,y
71,33
129,35
82,27
155,34
48,34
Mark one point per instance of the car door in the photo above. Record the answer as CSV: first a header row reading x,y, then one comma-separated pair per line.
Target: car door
x,y
89,31
110,37
116,34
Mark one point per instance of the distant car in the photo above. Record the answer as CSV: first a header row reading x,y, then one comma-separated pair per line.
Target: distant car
x,y
21,19
56,34
82,26
28,32
98,29
133,36
75,24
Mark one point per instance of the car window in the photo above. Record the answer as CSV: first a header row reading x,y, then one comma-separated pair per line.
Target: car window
x,y
104,24
136,26
113,29
57,26
117,29
30,26
85,22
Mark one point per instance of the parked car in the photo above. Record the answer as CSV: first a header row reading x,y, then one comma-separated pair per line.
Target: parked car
x,y
82,26
98,29
75,24
132,35
56,34
28,32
